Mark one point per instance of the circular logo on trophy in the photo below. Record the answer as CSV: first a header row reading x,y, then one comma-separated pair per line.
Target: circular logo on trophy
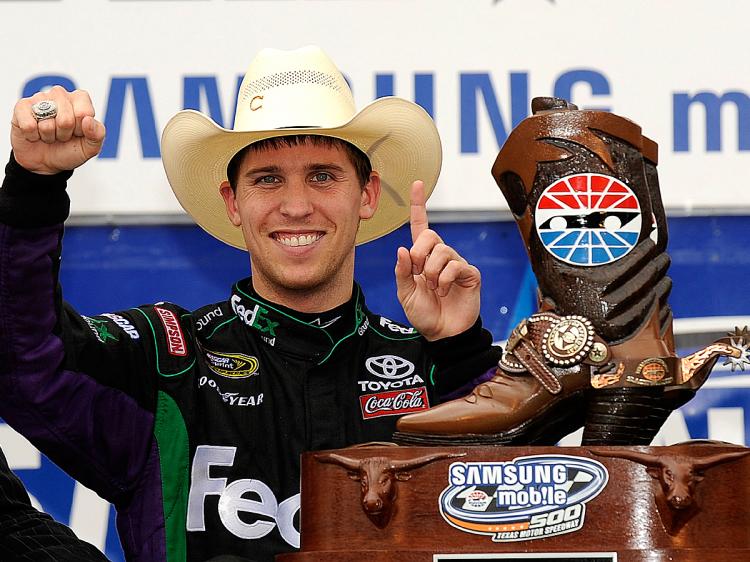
x,y
568,340
588,219
653,369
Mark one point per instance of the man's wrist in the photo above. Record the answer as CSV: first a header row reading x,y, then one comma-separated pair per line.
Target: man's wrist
x,y
32,200
441,347
462,357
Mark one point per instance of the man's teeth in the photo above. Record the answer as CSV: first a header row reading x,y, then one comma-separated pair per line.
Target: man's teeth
x,y
304,240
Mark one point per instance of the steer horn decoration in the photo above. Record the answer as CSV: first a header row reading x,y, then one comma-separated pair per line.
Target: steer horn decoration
x,y
378,476
678,476
600,352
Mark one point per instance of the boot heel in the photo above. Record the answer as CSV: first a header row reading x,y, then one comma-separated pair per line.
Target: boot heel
x,y
624,416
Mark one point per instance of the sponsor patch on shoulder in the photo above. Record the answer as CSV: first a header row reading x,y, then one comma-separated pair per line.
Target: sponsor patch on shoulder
x,y
175,338
206,318
100,329
394,402
125,325
232,365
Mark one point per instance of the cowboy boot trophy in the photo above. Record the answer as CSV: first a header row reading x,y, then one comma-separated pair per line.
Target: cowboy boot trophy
x,y
584,190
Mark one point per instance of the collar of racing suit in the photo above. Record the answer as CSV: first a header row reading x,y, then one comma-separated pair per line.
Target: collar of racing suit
x,y
314,337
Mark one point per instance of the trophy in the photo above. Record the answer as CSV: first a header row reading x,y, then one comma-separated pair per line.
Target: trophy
x,y
599,353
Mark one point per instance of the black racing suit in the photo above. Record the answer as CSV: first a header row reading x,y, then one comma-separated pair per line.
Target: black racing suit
x,y
191,423
28,535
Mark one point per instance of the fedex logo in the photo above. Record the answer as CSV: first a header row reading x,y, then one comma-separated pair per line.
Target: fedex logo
x,y
232,501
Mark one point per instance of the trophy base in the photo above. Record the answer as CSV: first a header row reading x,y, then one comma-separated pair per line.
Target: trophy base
x,y
687,502
662,555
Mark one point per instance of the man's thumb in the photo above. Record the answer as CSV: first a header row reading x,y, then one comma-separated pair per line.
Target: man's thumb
x,y
93,136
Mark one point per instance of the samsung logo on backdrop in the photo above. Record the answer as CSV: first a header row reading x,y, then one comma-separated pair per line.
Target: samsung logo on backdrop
x,y
479,102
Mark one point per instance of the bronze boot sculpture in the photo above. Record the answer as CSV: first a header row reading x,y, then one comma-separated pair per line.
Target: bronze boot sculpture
x,y
584,190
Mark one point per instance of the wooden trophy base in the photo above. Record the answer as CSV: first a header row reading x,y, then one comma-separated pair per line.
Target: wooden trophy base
x,y
685,503
661,555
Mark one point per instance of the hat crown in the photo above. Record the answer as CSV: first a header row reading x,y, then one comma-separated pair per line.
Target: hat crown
x,y
295,93
293,89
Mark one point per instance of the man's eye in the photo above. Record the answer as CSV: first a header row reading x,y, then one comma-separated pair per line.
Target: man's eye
x,y
321,177
266,180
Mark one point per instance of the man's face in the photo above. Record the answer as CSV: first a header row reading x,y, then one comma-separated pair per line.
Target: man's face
x,y
299,208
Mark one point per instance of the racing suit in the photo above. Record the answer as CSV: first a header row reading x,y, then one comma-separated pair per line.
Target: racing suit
x,y
191,423
28,535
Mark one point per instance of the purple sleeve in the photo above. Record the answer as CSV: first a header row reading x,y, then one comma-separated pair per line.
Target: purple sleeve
x,y
59,385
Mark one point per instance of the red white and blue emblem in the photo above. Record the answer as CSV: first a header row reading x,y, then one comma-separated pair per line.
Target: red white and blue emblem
x,y
588,219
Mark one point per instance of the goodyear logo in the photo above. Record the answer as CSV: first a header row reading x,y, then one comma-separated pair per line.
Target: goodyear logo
x,y
232,365
527,498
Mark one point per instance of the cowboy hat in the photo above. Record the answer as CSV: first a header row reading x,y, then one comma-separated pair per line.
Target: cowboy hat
x,y
292,93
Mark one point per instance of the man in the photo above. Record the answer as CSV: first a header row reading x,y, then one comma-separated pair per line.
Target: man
x,y
191,423
32,536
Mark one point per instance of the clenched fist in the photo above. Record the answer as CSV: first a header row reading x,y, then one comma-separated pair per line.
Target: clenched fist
x,y
60,143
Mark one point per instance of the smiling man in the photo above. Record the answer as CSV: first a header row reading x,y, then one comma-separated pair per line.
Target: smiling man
x,y
299,201
192,422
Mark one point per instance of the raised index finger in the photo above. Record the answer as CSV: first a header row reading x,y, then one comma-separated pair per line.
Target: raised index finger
x,y
418,213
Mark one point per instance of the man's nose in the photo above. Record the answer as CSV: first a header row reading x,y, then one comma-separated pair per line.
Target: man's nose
x,y
296,199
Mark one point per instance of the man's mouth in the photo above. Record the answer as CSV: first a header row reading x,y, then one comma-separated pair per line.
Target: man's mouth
x,y
295,240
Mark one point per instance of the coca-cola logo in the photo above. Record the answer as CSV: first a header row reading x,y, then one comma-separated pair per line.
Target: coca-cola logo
x,y
394,403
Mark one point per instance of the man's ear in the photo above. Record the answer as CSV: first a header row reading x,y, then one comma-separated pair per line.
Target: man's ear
x,y
230,201
370,196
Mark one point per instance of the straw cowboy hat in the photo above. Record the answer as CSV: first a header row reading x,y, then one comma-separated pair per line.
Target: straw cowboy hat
x,y
301,92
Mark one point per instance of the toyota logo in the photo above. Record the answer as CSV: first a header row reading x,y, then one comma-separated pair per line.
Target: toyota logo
x,y
389,367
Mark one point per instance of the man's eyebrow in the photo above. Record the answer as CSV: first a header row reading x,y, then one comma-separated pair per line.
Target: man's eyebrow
x,y
272,169
324,166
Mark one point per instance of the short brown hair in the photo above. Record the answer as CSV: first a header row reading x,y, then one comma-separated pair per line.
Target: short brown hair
x,y
358,159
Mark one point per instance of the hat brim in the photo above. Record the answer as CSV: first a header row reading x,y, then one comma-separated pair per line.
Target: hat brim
x,y
397,135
